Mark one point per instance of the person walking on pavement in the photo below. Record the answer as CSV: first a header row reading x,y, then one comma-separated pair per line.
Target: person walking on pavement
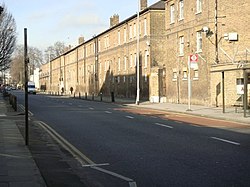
x,y
71,90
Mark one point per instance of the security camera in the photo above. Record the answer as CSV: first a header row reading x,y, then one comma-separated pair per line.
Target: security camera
x,y
205,29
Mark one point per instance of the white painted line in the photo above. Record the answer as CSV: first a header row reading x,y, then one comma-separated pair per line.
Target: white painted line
x,y
95,165
162,125
79,105
90,108
1,115
130,117
70,103
113,174
108,112
227,141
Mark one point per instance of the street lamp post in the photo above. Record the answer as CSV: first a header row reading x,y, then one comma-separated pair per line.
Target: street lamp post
x,y
138,57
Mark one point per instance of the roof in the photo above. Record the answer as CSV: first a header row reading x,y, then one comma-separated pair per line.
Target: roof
x,y
160,5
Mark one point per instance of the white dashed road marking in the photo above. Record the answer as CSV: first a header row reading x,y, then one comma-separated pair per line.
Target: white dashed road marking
x,y
227,141
162,125
130,117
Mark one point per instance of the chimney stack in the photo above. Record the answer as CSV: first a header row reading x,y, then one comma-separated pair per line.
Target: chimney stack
x,y
81,40
144,4
114,20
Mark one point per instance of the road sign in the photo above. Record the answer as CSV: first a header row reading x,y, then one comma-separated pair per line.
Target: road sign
x,y
193,58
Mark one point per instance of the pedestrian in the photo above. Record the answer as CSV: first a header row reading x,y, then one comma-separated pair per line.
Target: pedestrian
x,y
71,90
62,90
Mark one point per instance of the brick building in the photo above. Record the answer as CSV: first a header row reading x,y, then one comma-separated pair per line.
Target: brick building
x,y
107,62
169,32
212,30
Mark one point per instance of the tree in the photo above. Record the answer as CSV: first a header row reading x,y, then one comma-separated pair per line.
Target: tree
x,y
54,51
7,38
17,65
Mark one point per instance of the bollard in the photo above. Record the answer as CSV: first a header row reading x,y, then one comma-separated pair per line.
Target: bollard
x,y
112,97
86,95
15,103
93,96
74,94
101,96
79,95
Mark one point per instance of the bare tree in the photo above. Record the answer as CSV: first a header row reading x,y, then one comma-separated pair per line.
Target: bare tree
x,y
17,65
54,51
7,38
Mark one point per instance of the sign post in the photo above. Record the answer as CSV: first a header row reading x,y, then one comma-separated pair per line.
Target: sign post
x,y
192,63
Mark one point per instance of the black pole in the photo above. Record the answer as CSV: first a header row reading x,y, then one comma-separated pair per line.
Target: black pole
x,y
245,92
223,92
26,60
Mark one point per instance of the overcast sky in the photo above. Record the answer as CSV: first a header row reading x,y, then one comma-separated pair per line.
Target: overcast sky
x,y
49,21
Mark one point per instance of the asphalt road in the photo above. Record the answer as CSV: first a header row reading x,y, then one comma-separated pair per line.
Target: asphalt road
x,y
150,150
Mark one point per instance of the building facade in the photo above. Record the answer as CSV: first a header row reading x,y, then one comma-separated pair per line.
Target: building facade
x,y
212,31
107,62
169,32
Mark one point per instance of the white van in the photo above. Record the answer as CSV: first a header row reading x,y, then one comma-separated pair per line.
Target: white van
x,y
31,87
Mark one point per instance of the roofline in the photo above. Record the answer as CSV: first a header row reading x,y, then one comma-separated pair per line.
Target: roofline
x,y
115,26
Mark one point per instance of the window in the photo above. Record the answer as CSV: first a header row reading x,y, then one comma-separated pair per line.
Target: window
x,y
199,41
135,59
130,32
125,63
145,27
185,75
181,46
175,75
119,37
131,60
119,64
134,30
100,67
181,16
198,6
146,59
125,35
196,74
172,14
99,45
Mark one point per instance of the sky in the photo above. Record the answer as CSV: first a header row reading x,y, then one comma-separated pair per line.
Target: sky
x,y
49,21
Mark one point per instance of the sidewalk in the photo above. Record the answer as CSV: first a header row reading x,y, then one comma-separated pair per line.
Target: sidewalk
x,y
210,112
198,110
17,167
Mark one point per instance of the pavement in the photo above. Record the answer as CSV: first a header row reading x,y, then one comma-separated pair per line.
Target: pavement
x,y
198,110
18,167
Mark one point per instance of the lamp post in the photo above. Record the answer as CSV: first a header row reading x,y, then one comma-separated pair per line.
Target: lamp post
x,y
138,58
26,61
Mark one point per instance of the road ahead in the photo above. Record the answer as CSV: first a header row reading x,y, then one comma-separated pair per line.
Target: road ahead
x,y
148,149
